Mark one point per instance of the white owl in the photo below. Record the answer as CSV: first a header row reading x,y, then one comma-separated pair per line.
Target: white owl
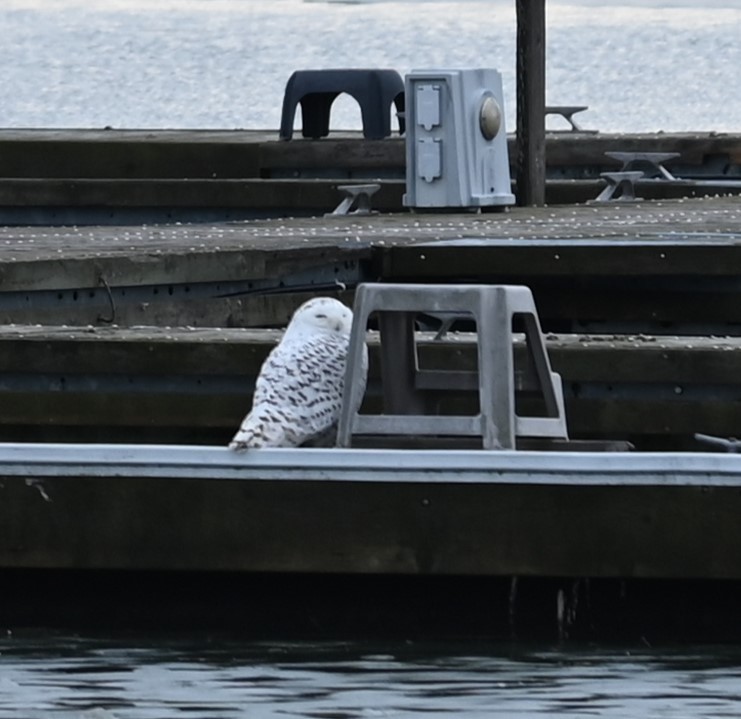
x,y
298,393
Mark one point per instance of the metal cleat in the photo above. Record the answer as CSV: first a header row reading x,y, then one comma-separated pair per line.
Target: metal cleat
x,y
731,444
567,112
652,161
620,187
358,196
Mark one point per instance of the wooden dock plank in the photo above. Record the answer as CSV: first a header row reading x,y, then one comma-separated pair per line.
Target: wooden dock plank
x,y
269,197
438,530
63,258
567,254
72,176
157,380
258,153
706,220
126,154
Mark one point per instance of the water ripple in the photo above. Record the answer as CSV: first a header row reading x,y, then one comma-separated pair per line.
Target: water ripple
x,y
654,65
210,678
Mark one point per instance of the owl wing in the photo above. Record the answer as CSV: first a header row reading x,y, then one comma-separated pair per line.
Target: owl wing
x,y
298,393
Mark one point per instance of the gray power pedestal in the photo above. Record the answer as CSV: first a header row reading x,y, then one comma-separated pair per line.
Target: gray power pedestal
x,y
456,142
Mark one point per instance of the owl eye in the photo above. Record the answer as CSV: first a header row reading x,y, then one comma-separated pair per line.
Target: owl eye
x,y
320,316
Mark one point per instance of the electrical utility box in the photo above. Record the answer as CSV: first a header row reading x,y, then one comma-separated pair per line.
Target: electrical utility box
x,y
456,142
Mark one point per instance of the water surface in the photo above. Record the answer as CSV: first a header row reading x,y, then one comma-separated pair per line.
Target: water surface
x,y
648,66
58,676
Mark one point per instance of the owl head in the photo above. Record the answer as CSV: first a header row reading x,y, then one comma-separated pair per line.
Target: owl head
x,y
321,314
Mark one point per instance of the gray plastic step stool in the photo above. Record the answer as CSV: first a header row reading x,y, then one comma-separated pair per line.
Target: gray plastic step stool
x,y
405,384
316,90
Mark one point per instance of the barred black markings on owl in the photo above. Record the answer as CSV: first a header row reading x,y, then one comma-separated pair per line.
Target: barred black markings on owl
x,y
298,394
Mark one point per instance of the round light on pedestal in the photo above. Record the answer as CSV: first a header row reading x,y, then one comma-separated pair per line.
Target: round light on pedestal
x,y
490,117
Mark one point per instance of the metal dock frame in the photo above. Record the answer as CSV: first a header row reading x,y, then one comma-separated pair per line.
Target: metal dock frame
x,y
369,511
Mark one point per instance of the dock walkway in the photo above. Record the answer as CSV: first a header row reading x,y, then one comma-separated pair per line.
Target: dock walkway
x,y
74,274
641,303
162,344
134,176
193,385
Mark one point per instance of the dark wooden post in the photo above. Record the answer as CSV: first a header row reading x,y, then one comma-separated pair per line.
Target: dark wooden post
x,y
530,102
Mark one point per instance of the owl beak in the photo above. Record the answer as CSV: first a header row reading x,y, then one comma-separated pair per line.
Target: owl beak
x,y
338,326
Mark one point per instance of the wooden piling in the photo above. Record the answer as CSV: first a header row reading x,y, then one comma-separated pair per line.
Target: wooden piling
x,y
530,166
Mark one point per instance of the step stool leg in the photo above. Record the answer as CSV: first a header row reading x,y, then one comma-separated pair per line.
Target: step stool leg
x,y
376,120
354,388
399,103
496,371
315,108
399,364
288,113
542,366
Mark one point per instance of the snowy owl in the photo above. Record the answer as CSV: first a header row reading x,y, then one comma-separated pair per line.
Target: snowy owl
x,y
298,393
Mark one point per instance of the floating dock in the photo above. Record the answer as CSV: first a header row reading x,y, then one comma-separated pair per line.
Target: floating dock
x,y
194,385
151,334
640,303
444,512
602,259
361,543
77,177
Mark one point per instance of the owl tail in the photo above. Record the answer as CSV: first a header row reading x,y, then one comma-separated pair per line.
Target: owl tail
x,y
257,431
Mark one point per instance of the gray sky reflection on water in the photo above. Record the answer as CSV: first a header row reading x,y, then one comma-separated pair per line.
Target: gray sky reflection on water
x,y
104,679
